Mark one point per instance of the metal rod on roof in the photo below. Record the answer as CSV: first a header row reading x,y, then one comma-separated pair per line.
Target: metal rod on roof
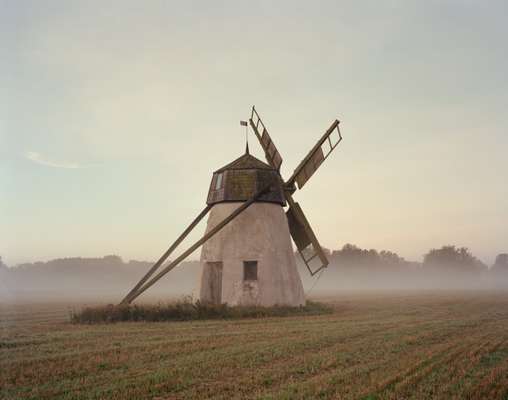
x,y
201,241
244,123
126,299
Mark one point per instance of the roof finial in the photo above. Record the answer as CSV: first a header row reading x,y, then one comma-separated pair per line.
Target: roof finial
x,y
244,123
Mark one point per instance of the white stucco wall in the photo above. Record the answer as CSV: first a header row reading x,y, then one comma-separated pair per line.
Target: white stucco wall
x,y
260,233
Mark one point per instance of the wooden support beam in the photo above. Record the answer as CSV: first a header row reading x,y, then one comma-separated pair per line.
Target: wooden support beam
x,y
126,299
191,249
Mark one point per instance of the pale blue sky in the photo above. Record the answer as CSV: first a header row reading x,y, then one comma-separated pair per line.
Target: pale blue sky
x,y
114,114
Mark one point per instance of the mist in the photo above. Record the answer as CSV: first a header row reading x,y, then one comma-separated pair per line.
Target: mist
x,y
108,279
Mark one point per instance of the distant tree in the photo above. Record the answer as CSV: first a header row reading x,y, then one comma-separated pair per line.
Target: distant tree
x,y
327,251
452,258
113,259
501,264
4,272
354,258
348,254
353,254
388,257
348,247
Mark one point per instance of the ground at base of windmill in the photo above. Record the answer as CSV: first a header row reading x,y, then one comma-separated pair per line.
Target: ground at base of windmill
x,y
188,310
374,345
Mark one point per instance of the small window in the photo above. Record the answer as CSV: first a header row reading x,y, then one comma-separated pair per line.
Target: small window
x,y
250,270
218,182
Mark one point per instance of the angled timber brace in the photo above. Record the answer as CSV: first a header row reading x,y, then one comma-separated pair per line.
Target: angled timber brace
x,y
143,285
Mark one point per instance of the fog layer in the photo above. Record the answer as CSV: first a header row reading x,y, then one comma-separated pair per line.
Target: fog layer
x,y
109,278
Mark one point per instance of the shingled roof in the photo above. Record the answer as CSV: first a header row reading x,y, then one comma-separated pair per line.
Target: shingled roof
x,y
242,178
246,161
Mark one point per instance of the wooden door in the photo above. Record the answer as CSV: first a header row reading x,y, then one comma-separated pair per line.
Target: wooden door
x,y
215,281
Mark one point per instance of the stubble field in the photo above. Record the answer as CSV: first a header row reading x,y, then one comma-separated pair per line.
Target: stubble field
x,y
373,346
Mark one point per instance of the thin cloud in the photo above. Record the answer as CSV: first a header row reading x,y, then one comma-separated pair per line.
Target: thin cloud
x,y
39,159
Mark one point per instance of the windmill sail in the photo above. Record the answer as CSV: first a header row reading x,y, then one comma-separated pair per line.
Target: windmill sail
x,y
317,155
306,242
271,153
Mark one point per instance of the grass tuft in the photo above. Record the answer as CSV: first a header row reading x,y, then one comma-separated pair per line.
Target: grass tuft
x,y
186,310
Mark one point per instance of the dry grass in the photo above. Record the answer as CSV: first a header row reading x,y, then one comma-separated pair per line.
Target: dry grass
x,y
375,346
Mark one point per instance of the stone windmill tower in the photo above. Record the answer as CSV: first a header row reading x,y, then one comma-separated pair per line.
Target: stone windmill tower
x,y
251,260
247,257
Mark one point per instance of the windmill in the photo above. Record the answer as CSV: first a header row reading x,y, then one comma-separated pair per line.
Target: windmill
x,y
247,257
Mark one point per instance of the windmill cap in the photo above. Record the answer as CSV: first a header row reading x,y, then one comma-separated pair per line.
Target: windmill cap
x,y
239,180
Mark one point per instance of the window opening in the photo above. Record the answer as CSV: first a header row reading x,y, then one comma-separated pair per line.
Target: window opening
x,y
218,182
250,270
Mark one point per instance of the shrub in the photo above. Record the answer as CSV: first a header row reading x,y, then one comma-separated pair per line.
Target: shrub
x,y
186,310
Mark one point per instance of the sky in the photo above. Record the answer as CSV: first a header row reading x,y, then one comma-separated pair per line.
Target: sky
x,y
114,114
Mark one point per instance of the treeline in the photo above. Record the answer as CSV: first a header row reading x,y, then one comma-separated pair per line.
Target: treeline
x,y
351,267
459,259
106,279
452,267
